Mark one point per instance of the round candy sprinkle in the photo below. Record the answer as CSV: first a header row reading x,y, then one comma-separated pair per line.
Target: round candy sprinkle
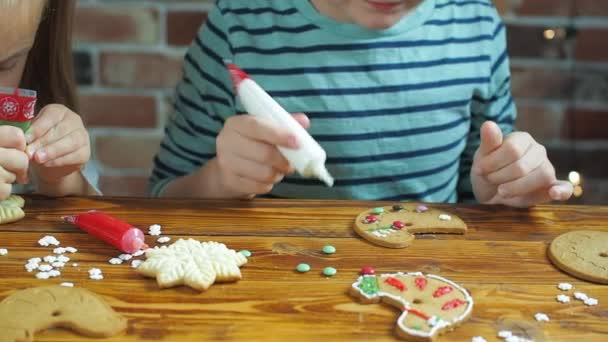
x,y
398,225
378,210
303,268
421,208
329,249
371,219
245,253
368,270
397,207
329,271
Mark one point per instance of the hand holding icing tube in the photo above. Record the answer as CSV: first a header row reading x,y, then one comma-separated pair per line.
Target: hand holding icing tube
x,y
309,158
110,229
17,107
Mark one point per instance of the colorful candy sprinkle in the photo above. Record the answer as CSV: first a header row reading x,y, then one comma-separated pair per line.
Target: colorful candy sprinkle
x,y
378,210
329,271
398,225
329,249
421,208
303,268
371,218
245,253
367,270
397,207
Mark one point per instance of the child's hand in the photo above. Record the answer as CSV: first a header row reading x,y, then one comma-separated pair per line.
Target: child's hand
x,y
13,159
247,154
58,144
514,171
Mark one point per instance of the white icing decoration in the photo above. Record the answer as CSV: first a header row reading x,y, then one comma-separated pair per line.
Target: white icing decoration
x,y
434,329
445,217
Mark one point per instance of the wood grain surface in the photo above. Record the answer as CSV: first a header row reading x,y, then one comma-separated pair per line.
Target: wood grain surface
x,y
501,260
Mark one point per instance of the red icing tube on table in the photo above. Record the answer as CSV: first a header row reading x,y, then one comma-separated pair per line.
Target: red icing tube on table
x,y
118,233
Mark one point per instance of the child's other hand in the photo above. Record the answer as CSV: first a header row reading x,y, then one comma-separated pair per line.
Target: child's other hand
x,y
58,143
13,159
247,154
514,171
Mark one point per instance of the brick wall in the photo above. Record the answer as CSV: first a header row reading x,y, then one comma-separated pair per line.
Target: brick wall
x,y
128,56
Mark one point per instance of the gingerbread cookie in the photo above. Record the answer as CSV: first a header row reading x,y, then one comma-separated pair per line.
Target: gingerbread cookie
x,y
394,226
11,209
583,254
31,310
431,304
192,263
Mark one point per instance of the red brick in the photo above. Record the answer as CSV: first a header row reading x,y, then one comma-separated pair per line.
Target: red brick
x,y
116,24
582,124
140,70
123,186
562,8
182,26
126,152
128,111
541,83
591,84
591,45
591,8
544,123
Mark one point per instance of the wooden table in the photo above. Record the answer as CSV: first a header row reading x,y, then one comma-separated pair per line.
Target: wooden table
x,y
501,260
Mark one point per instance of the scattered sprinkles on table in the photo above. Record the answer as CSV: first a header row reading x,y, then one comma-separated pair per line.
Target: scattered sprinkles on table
x,y
3,251
564,286
95,274
367,270
580,296
48,240
125,257
563,298
115,261
163,239
136,263
154,230
591,301
541,317
246,253
67,284
329,271
303,268
478,339
329,249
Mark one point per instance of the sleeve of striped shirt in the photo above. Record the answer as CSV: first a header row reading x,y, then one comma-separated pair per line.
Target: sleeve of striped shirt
x,y
496,105
203,99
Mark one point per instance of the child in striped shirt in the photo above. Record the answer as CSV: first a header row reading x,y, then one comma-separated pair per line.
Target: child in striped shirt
x,y
410,98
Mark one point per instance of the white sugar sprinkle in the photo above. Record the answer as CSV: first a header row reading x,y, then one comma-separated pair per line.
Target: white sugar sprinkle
x,y
115,261
71,250
580,296
58,264
48,240
125,257
54,273
34,260
42,275
50,258
67,284
154,230
563,298
96,276
445,217
541,317
138,253
75,265
163,239
564,286
63,258
59,250
94,271
136,263
30,267
45,267
478,339
591,301
3,251
504,333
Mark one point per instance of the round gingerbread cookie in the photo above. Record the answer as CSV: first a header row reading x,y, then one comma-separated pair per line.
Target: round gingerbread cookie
x,y
394,226
583,254
431,305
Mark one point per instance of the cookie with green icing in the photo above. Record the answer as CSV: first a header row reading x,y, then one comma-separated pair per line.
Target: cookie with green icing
x,y
11,209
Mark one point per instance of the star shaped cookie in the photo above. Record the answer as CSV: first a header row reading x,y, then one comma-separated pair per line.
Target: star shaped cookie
x,y
11,209
192,263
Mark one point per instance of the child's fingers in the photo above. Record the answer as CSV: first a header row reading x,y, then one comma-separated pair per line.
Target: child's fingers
x,y
561,191
15,162
12,137
245,185
7,177
491,137
75,141
73,158
532,159
266,131
540,178
63,132
302,119
512,149
5,190
49,117
246,148
260,173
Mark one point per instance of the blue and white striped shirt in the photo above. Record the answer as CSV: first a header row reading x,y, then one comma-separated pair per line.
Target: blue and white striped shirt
x,y
397,110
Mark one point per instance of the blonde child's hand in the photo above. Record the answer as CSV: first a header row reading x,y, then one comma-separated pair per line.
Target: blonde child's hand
x,y
58,144
13,159
247,154
514,171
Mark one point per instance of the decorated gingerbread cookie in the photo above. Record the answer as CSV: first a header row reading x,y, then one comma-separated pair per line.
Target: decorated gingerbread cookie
x,y
431,304
11,209
192,263
583,254
395,226
26,312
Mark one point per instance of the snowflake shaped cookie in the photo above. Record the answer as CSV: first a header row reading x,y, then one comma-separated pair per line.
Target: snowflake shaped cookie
x,y
192,263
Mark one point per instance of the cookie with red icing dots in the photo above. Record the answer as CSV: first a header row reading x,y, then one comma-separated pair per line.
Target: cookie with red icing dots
x,y
431,305
395,226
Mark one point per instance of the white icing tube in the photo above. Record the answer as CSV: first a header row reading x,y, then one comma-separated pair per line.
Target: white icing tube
x,y
309,158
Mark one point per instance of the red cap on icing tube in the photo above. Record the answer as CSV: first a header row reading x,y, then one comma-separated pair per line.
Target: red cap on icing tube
x,y
237,75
